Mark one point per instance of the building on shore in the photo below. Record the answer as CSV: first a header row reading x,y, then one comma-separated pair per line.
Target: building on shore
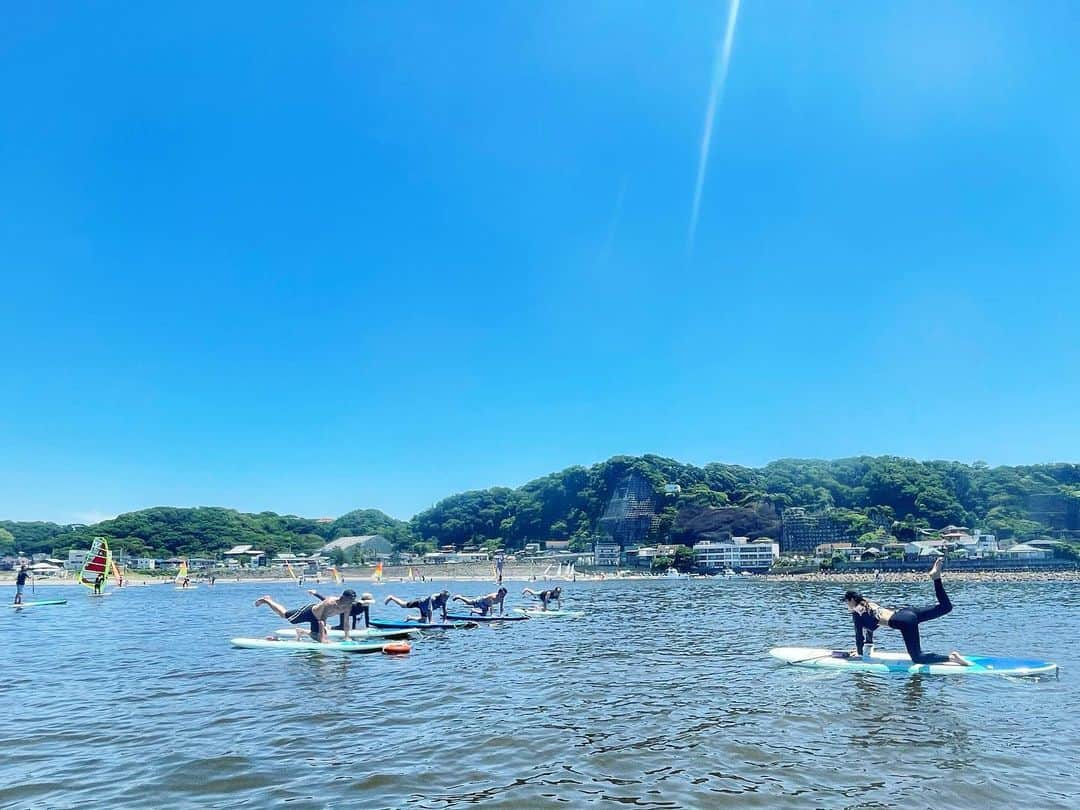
x,y
368,546
802,530
607,553
737,554
245,555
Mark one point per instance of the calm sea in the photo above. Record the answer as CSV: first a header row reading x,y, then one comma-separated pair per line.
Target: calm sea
x,y
665,697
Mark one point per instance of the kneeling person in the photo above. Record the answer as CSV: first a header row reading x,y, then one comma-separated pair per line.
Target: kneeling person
x,y
482,605
314,614
427,606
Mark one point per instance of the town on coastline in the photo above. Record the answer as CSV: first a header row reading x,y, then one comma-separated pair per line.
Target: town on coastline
x,y
808,545
628,516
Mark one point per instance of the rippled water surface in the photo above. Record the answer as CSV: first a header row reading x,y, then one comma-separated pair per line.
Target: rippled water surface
x,y
664,697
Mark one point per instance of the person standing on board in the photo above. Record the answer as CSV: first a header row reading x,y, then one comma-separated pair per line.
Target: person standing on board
x,y
314,614
426,606
361,607
869,616
545,596
482,605
20,582
500,560
99,584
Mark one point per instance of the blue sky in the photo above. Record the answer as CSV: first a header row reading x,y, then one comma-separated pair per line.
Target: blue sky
x,y
317,258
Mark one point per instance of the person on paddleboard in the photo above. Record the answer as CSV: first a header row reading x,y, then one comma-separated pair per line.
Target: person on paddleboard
x,y
20,583
482,605
361,607
316,614
869,616
426,606
545,597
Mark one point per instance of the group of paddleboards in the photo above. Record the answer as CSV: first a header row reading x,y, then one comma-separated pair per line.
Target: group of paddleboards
x,y
358,632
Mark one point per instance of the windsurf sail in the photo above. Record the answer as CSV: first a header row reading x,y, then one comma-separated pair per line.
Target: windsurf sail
x,y
292,573
378,572
116,574
97,562
338,579
182,572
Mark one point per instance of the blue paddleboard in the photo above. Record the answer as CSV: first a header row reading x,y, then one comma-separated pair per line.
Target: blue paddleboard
x,y
898,662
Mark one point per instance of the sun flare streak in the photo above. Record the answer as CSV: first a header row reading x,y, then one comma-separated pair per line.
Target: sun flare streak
x,y
716,92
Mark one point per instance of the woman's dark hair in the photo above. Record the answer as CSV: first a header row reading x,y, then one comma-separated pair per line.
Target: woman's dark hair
x,y
852,596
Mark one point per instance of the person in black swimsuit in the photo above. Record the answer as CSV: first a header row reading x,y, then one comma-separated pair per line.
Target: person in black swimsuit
x,y
869,616
314,614
555,594
427,606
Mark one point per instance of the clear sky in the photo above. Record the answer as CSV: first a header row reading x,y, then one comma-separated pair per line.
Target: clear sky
x,y
317,257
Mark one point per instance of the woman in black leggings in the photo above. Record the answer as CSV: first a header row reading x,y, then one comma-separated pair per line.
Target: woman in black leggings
x,y
868,616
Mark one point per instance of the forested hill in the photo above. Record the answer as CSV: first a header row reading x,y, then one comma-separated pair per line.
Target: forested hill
x,y
164,531
869,494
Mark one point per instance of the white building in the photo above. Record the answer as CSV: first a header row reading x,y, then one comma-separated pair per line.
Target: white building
x,y
367,545
607,554
245,554
1021,552
739,554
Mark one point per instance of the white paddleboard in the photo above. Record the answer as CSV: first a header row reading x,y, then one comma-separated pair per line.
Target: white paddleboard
x,y
310,646
359,635
899,662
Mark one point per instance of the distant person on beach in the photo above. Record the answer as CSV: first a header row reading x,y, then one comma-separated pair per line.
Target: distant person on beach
x,y
314,614
500,560
426,606
99,583
482,605
545,597
20,582
361,607
869,616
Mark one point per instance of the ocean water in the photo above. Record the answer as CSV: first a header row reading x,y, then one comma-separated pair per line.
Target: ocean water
x,y
664,697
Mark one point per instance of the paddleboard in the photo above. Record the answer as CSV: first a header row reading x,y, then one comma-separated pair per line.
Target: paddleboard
x,y
188,588
40,603
538,613
462,617
359,635
418,626
900,662
99,595
312,646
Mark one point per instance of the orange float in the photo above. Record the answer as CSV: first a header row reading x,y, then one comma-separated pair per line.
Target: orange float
x,y
397,648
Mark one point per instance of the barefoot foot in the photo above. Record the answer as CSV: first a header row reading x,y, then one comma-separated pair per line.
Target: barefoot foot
x,y
935,569
957,658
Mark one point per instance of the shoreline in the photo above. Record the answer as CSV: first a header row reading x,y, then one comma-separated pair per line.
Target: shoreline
x,y
7,578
